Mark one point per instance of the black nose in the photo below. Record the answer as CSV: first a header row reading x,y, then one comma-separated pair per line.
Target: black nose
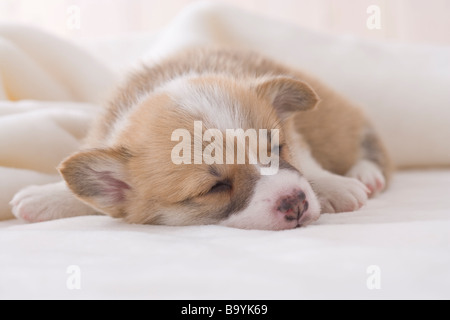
x,y
293,205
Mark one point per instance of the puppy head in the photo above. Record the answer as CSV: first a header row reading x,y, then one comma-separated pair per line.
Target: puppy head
x,y
136,177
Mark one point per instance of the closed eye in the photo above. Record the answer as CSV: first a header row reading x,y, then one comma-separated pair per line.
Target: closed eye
x,y
278,149
221,186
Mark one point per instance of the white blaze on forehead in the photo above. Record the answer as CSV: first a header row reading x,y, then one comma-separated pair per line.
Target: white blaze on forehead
x,y
218,109
260,212
212,104
122,120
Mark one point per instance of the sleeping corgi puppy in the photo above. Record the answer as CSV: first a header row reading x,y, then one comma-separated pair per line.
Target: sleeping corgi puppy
x,y
218,136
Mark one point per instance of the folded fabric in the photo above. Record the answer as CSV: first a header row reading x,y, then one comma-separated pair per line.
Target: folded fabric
x,y
48,91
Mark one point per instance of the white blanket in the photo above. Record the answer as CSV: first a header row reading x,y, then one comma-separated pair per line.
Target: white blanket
x,y
404,233
51,89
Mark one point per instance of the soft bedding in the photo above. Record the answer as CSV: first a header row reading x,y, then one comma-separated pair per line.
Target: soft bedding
x,y
397,246
404,233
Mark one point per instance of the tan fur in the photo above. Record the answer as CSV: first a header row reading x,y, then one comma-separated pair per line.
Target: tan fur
x,y
335,152
332,131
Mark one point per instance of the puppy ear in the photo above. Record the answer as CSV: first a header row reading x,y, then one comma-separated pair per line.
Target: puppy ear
x,y
98,177
287,95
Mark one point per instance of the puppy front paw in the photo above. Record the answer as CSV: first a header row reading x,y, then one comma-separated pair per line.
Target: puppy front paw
x,y
339,194
368,173
47,202
33,204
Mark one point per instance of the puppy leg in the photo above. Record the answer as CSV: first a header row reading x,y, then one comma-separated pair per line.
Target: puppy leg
x,y
48,202
335,193
374,167
370,174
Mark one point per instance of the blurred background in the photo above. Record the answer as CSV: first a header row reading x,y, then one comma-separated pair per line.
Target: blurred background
x,y
407,21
